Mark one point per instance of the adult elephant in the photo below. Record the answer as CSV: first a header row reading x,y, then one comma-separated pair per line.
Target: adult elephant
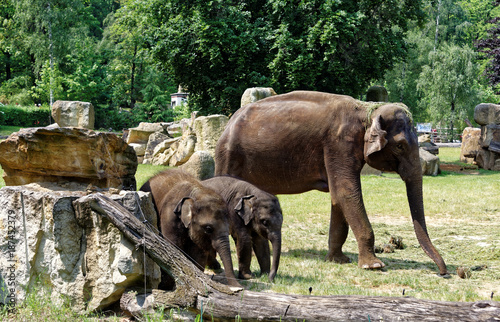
x,y
300,141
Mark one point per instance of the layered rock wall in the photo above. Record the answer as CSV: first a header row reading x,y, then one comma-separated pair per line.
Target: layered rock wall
x,y
76,254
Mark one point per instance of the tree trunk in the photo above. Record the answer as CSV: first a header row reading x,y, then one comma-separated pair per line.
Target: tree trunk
x,y
132,79
8,70
196,292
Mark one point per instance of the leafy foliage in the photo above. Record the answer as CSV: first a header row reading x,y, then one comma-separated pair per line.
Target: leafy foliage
x,y
32,116
130,55
490,46
448,84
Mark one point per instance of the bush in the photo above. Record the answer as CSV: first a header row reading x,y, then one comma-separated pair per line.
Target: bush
x,y
15,91
109,118
14,115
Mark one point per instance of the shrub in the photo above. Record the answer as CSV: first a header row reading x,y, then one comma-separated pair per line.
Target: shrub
x,y
23,116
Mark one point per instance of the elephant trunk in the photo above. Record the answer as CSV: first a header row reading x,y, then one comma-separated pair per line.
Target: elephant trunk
x,y
221,246
276,244
415,200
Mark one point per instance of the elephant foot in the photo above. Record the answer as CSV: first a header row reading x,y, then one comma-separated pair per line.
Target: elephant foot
x,y
272,275
245,276
371,263
339,258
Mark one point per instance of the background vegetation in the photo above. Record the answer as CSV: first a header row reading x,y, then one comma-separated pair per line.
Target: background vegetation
x,y
128,56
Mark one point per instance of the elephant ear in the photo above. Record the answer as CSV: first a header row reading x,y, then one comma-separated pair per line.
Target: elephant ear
x,y
375,137
184,210
244,208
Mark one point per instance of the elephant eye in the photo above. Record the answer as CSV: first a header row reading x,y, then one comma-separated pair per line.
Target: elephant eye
x,y
208,229
264,222
399,146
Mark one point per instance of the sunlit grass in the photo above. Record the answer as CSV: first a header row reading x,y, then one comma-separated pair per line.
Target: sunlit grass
x,y
6,130
146,171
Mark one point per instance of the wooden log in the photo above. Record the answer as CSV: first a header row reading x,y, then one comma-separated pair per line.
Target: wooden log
x,y
196,292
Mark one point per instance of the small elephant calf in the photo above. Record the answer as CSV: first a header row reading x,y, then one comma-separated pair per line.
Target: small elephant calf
x,y
255,218
194,218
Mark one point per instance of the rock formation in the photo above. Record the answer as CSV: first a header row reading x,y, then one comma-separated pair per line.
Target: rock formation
x,y
488,116
75,252
470,144
429,163
201,165
138,137
67,155
73,114
254,94
208,130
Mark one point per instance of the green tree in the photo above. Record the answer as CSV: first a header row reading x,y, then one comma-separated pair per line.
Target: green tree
x,y
401,81
132,69
448,84
217,49
338,46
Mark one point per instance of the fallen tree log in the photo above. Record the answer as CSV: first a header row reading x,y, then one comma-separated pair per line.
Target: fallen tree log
x,y
199,294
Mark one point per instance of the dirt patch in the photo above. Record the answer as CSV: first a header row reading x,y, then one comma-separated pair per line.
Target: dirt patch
x,y
463,169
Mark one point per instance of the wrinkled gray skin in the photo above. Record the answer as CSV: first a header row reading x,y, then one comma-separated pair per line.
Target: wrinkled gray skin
x,y
192,217
300,141
255,218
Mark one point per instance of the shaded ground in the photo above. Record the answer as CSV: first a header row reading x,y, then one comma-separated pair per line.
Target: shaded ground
x,y
463,169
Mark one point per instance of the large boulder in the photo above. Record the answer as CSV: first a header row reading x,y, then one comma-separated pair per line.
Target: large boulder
x,y
77,253
154,140
141,133
470,144
68,154
429,163
208,130
377,93
488,160
487,113
174,152
201,165
488,116
182,150
73,114
254,94
489,133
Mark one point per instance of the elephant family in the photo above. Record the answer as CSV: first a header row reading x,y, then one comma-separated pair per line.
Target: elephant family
x,y
192,217
255,218
300,141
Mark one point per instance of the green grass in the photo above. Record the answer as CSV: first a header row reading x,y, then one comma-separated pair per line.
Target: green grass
x,y
146,171
6,130
462,213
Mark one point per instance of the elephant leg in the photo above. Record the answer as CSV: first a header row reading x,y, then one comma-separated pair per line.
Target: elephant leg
x,y
244,251
262,252
338,235
212,262
347,191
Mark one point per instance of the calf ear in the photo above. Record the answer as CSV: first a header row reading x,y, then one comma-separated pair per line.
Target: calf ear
x,y
244,208
375,137
184,210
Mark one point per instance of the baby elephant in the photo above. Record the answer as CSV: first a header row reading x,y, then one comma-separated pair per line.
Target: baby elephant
x,y
192,217
255,218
